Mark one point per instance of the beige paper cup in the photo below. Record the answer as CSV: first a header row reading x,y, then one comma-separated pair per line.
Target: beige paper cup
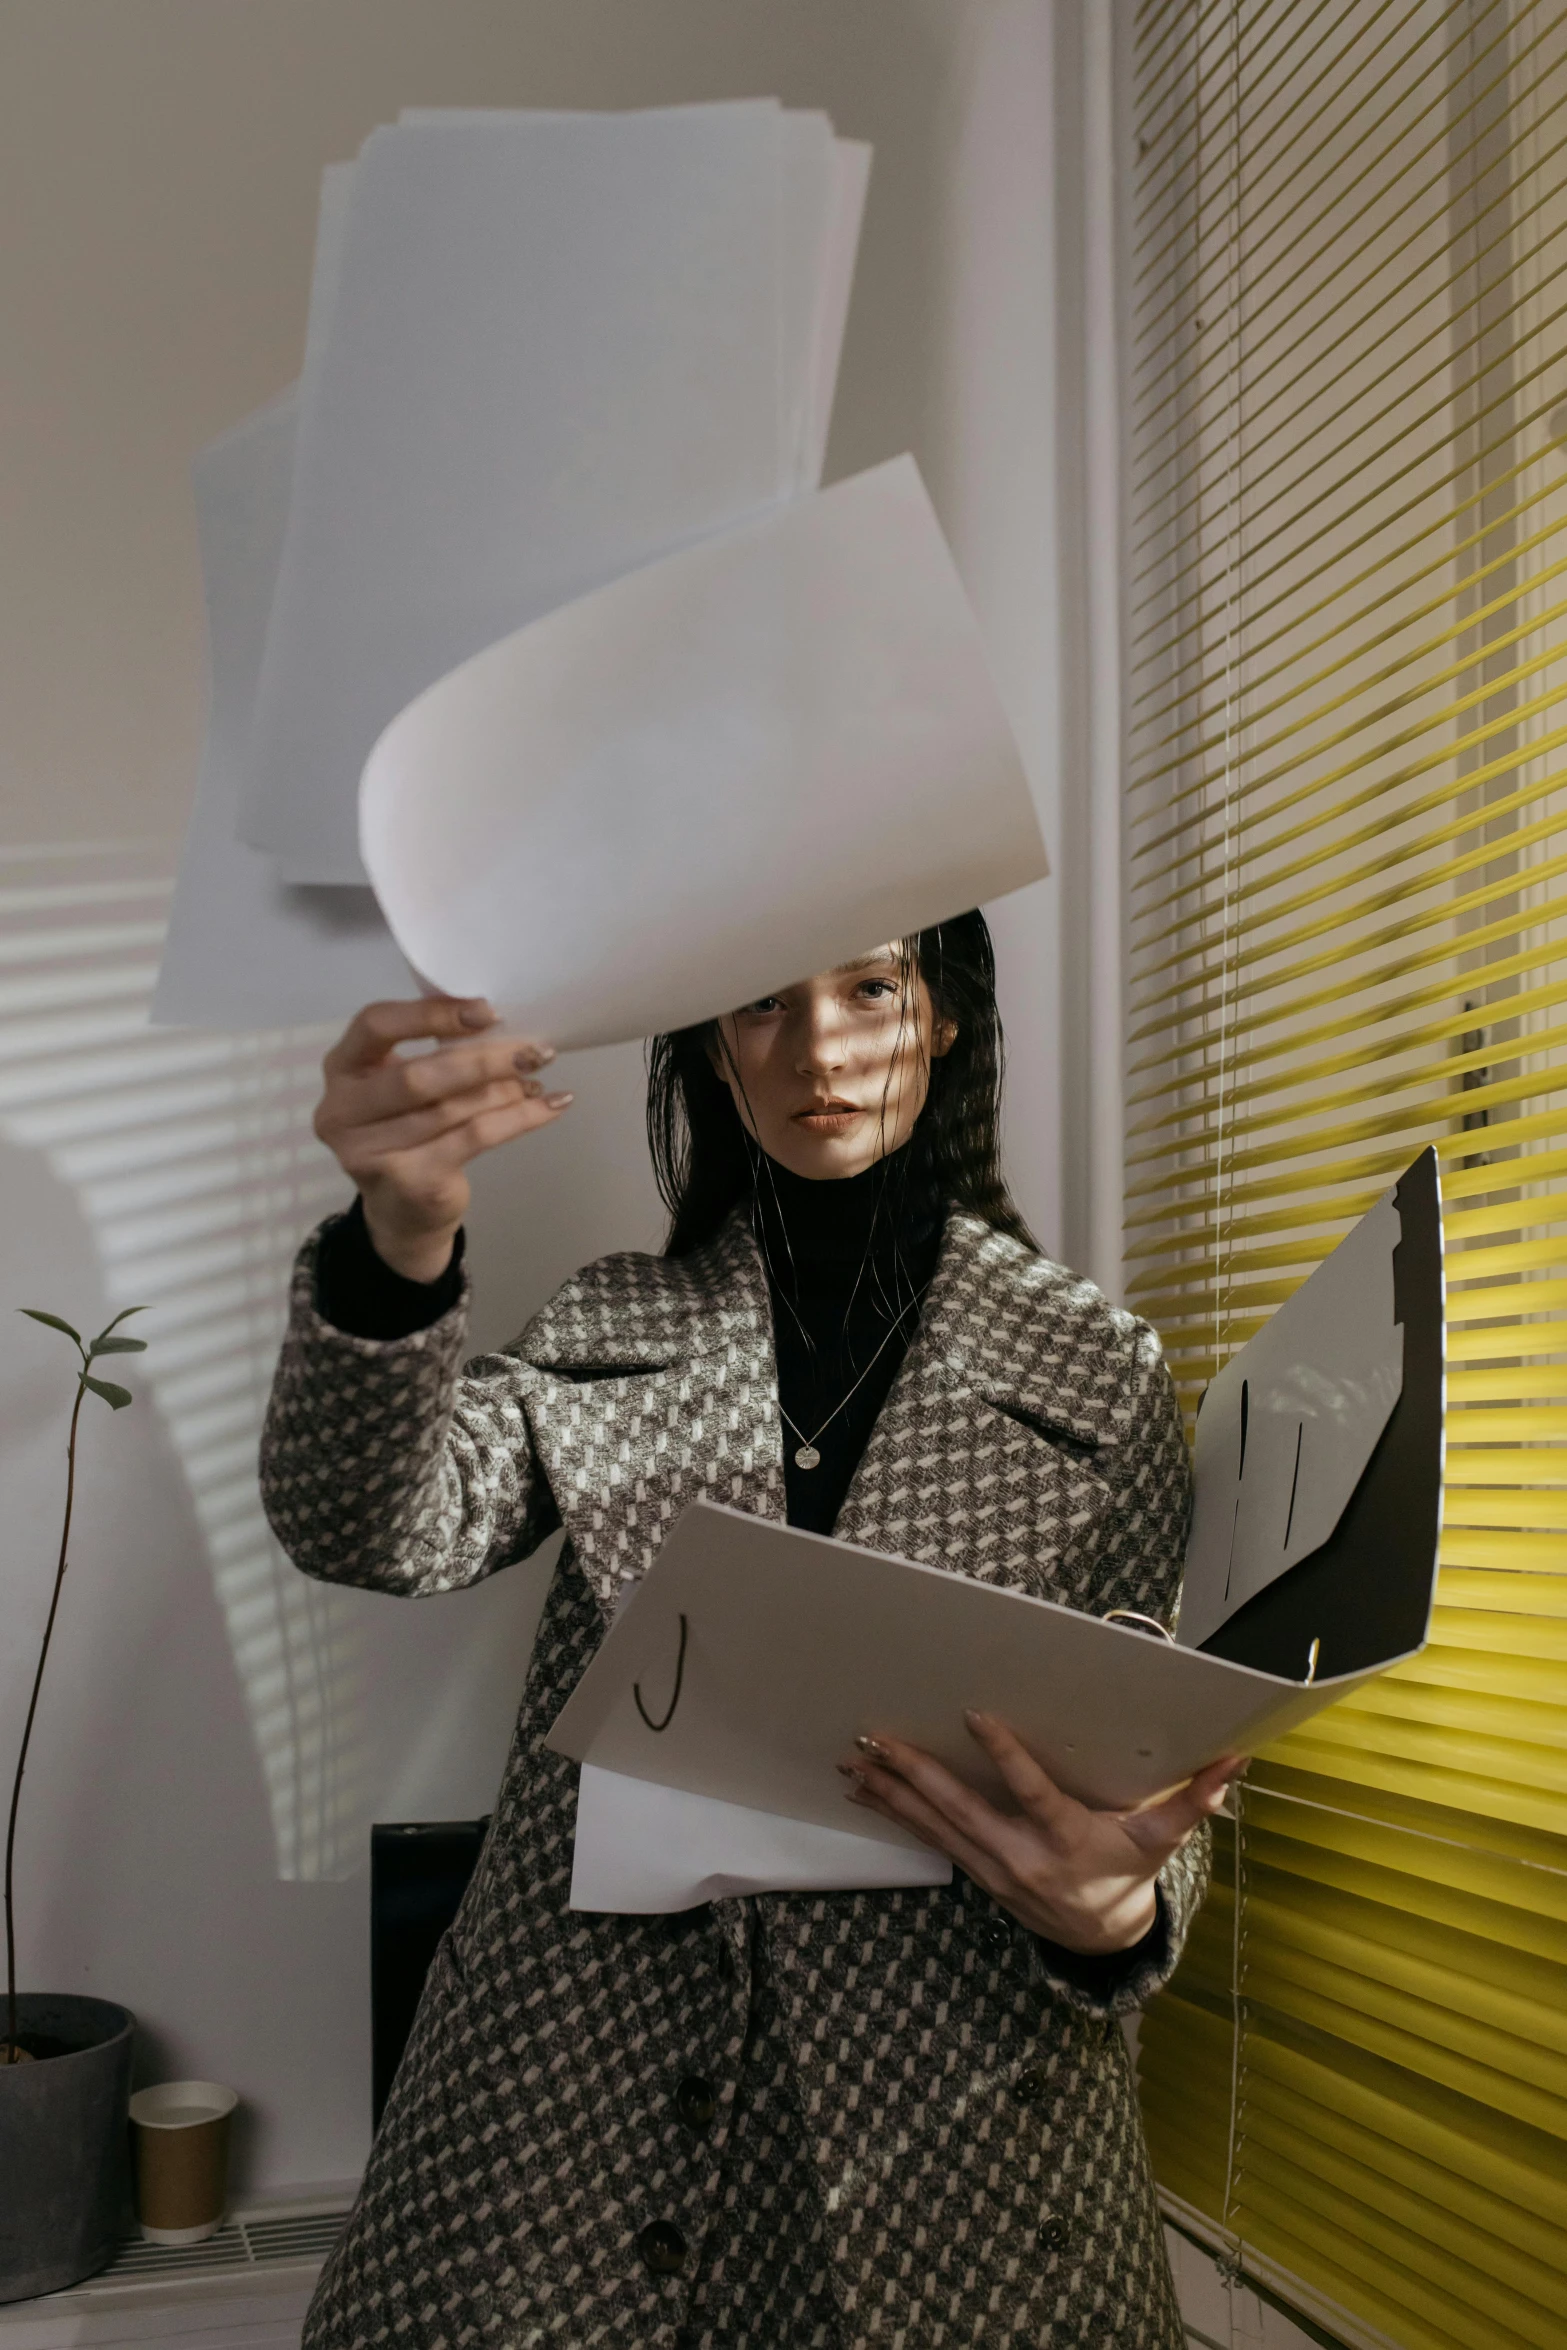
x,y
180,2146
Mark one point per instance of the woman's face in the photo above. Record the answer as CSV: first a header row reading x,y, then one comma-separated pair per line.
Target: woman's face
x,y
830,1075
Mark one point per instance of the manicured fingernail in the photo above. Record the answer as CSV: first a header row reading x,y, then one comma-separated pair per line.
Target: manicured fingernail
x,y
848,1771
975,1721
476,1013
531,1088
855,1794
534,1056
559,1101
873,1747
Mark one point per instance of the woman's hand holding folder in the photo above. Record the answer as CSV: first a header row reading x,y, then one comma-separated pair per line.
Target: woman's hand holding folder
x,y
1081,1878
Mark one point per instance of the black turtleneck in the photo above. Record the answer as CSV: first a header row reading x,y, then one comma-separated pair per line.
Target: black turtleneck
x,y
848,1263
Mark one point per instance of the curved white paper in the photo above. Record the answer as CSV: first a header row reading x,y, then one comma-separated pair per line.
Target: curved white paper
x,y
741,764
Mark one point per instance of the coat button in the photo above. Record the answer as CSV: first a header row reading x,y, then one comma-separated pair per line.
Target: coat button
x,y
1054,2235
695,2102
1030,2085
995,1934
663,2247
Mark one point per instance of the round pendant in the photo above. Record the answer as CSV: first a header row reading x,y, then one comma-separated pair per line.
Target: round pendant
x,y
807,1457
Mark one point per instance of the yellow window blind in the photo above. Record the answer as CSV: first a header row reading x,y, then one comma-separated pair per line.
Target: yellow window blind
x,y
1346,842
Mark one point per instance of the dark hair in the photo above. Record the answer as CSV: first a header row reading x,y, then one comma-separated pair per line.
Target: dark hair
x,y
706,1163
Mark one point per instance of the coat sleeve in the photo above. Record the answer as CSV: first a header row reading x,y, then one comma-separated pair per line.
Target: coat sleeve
x,y
1139,1545
386,1464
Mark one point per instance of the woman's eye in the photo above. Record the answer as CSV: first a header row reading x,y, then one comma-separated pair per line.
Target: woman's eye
x,y
878,990
764,1003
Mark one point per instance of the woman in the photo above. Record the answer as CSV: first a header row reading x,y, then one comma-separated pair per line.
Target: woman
x,y
837,2119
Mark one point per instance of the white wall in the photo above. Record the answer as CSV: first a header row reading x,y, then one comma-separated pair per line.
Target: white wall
x,y
160,160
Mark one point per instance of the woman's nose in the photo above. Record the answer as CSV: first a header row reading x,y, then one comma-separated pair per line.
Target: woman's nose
x,y
821,1042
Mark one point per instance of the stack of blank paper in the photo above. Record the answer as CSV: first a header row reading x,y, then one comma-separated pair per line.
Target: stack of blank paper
x,y
544,351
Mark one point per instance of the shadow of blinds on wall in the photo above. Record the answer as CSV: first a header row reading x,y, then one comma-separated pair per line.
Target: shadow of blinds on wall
x,y
191,1158
1347,847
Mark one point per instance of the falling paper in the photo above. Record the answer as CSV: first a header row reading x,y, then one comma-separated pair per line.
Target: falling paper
x,y
745,763
244,948
543,349
553,353
851,178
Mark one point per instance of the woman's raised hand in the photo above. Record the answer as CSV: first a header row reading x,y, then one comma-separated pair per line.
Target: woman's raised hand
x,y
405,1127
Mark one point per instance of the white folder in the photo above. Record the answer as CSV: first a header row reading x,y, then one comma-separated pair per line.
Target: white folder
x,y
752,1654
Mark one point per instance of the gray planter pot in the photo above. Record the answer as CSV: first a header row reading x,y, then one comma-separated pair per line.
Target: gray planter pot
x,y
63,2173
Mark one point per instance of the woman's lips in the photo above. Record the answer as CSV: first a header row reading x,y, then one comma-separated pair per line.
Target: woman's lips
x,y
826,1117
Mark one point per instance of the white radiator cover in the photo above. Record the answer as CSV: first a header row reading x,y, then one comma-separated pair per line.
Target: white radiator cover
x,y
246,2288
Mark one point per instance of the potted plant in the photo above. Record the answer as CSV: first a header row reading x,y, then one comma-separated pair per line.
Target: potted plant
x,y
65,2061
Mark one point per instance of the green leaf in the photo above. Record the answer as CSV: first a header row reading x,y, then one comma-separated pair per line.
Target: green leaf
x,y
37,1314
117,1346
118,1319
116,1397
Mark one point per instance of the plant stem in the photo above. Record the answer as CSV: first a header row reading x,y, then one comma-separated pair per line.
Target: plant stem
x,y
13,2048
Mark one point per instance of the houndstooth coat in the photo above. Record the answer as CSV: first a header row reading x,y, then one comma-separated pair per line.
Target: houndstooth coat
x,y
846,2119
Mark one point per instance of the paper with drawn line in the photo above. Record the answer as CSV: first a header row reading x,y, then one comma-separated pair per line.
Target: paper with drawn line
x,y
740,765
765,1651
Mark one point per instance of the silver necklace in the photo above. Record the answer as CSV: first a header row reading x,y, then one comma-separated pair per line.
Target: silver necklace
x,y
806,1455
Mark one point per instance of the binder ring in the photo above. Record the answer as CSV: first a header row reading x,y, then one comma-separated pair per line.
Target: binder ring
x,y
1129,1615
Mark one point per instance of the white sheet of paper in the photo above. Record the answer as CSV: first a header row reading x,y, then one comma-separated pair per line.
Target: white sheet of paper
x,y
795,1644
851,179
1288,1426
745,763
244,950
551,356
641,1847
822,184
337,180
806,190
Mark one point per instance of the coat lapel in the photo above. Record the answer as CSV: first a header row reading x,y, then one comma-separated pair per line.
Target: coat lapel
x,y
654,1385
993,1454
